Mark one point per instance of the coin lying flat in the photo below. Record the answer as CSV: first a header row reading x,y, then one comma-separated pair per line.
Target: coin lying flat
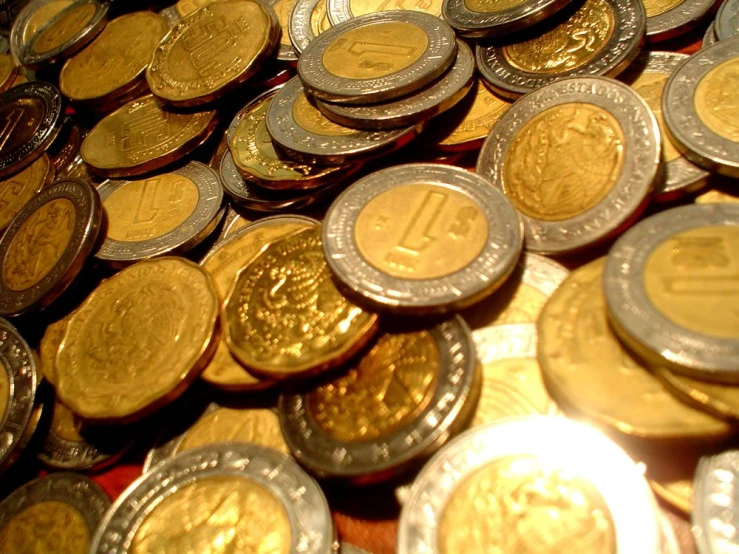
x,y
714,514
307,20
720,400
19,188
727,20
34,16
576,158
670,284
480,18
344,10
669,18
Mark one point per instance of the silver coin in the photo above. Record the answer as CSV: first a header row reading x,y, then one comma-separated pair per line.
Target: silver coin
x,y
537,453
347,548
456,240
709,38
619,157
232,470
375,450
716,516
307,20
727,20
408,51
438,97
694,249
482,19
517,68
699,109
678,19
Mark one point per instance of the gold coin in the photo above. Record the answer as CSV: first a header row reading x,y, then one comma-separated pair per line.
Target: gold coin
x,y
225,372
717,399
658,7
676,493
189,7
17,190
650,86
41,17
63,27
319,21
137,340
48,526
715,100
49,346
4,391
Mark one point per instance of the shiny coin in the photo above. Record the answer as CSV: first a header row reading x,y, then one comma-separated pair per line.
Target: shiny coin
x,y
720,400
233,221
213,51
529,482
601,38
55,513
17,190
266,501
422,238
727,20
670,284
709,39
577,159
283,9
225,372
701,114
189,7
714,513
669,18
164,214
377,57
142,136
432,100
400,402
34,16
481,18
138,340
46,245
344,10
307,20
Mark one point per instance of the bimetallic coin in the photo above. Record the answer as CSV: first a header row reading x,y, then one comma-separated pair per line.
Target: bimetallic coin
x,y
720,400
283,9
377,57
307,20
577,159
709,39
715,519
349,428
482,18
344,10
669,18
34,16
601,38
18,189
670,284
46,245
727,20
66,145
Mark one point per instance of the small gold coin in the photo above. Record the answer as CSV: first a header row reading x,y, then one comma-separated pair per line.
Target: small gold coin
x,y
17,190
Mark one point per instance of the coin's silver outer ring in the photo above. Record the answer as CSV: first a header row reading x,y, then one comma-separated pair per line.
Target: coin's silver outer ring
x,y
311,528
627,196
488,271
726,24
714,518
621,49
679,20
283,52
300,29
436,98
684,351
328,457
21,24
709,39
437,58
694,139
635,515
471,24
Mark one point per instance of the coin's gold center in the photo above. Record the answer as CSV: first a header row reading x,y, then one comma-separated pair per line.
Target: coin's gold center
x,y
390,386
307,116
319,21
492,6
65,424
375,51
4,392
569,45
49,526
658,7
421,231
692,278
484,113
282,9
69,23
716,100
523,505
42,16
650,87
362,7
564,161
216,515
15,191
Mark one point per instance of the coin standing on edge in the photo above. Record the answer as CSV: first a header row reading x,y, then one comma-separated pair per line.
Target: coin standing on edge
x,y
715,511
480,18
727,20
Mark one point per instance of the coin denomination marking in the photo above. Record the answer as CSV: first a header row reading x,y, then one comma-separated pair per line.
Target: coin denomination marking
x,y
308,117
49,526
63,29
205,43
10,121
716,100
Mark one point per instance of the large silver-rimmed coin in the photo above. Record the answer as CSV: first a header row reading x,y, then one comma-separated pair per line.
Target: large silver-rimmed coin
x,y
601,38
709,38
432,100
341,429
422,238
267,498
478,18
716,515
34,15
670,284
666,20
700,110
308,19
599,491
577,159
727,20
377,57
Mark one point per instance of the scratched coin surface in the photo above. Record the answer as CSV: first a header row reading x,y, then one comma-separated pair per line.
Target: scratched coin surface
x,y
669,18
577,159
18,189
486,18
399,402
220,498
715,518
422,238
727,20
344,10
308,19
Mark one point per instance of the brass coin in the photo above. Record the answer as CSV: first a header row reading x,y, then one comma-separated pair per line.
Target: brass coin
x,y
283,9
717,399
17,190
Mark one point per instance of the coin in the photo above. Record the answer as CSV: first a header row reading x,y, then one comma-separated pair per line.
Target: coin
x,y
213,51
54,513
268,502
397,404
479,18
529,483
140,338
422,238
669,18
601,38
727,20
670,285
577,159
717,399
142,136
283,9
377,57
46,245
8,12
347,548
18,189
189,7
709,39
344,10
31,118
717,195
232,222
700,112
307,20
35,15
714,513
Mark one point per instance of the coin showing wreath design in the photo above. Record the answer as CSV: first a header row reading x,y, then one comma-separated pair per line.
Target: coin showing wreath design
x,y
714,515
601,38
483,18
307,20
727,20
577,158
340,11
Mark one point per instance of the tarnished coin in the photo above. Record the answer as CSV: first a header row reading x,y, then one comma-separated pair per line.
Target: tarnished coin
x,y
397,404
164,214
283,9
482,18
577,159
46,245
601,38
55,513
670,283
18,189
715,518
721,400
267,502
344,10
308,19
377,57
700,108
709,38
213,51
530,484
727,20
422,238
669,18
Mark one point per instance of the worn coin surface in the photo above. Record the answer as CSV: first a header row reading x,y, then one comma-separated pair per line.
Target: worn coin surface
x,y
669,18
727,20
344,10
715,520
577,159
18,189
307,20
482,18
